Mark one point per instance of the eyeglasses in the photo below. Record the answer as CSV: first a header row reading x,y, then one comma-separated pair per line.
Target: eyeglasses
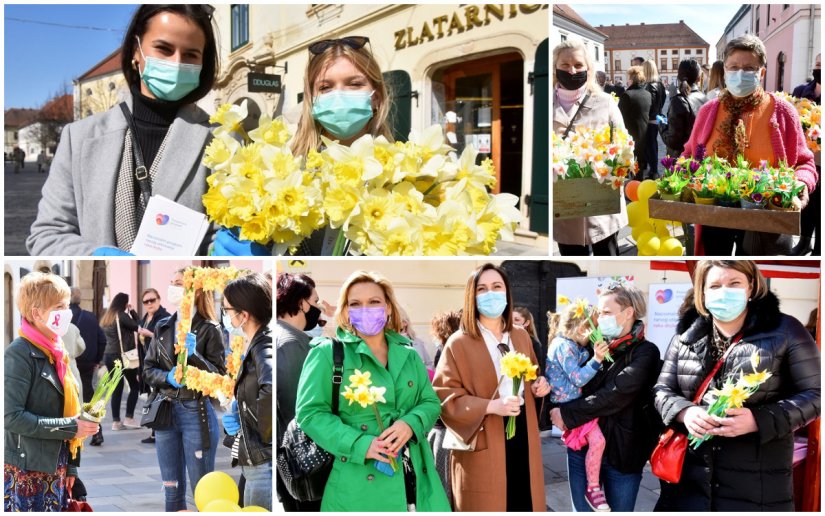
x,y
149,301
224,310
353,42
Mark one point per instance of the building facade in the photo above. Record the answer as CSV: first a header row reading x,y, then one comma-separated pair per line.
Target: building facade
x,y
567,23
13,120
740,24
99,88
792,34
666,44
480,68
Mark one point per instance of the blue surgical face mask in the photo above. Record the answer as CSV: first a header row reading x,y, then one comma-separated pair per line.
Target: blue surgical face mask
x,y
741,83
168,80
343,113
227,323
491,304
609,326
317,331
726,304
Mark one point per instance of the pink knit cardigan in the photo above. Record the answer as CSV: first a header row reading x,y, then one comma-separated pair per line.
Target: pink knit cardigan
x,y
786,136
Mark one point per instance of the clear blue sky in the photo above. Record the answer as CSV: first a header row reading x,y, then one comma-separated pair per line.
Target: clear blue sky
x,y
39,59
707,20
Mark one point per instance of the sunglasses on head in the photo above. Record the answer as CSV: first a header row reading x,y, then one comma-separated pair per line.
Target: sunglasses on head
x,y
353,42
150,300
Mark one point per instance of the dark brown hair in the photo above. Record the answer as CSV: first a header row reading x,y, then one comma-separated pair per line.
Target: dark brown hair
x,y
756,281
291,290
469,319
252,294
201,15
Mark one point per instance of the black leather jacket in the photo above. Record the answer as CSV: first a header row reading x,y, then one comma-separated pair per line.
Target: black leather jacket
x,y
160,357
751,472
680,118
253,391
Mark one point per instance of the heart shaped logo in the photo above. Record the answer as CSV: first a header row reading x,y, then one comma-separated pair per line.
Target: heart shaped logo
x,y
663,296
161,219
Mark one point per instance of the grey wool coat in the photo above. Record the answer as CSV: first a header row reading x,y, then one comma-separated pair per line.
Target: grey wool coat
x,y
76,213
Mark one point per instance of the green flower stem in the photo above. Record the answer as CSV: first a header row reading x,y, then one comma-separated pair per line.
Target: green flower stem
x,y
340,243
511,421
381,428
596,336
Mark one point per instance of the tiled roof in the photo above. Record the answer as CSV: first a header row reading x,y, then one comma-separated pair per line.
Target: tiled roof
x,y
109,64
565,11
651,36
18,117
60,109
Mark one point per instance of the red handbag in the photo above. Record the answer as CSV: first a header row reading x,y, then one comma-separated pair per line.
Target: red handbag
x,y
668,457
77,506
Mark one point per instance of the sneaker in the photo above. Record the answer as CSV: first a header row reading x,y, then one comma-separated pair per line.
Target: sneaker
x,y
117,425
131,423
148,440
596,500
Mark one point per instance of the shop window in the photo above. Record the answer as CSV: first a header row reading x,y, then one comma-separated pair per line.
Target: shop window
x,y
240,26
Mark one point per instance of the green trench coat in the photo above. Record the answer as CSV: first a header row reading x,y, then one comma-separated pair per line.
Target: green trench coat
x,y
355,484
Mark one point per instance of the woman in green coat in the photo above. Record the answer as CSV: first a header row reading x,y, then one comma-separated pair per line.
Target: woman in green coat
x,y
368,322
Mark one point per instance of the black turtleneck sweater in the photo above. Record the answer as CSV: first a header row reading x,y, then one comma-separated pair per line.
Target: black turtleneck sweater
x,y
152,120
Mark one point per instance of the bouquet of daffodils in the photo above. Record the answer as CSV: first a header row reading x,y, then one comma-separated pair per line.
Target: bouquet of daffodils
x,y
733,394
810,115
605,154
518,367
95,410
361,391
384,199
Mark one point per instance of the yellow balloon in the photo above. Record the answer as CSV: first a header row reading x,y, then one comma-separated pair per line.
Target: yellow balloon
x,y
637,213
253,508
671,247
646,190
644,237
637,231
661,228
650,246
216,485
221,506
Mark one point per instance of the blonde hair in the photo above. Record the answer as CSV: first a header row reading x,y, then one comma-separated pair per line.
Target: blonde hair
x,y
569,322
717,76
308,136
636,75
651,72
759,287
626,295
40,290
574,44
342,313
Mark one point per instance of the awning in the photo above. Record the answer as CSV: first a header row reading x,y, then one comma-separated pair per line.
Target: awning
x,y
793,269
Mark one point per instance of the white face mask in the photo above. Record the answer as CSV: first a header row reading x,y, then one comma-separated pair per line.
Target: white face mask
x,y
174,294
59,321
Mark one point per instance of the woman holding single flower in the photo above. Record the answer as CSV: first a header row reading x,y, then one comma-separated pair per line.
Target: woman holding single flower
x,y
376,357
42,432
498,474
747,465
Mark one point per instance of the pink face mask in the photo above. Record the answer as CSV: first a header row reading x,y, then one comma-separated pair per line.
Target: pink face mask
x,y
368,321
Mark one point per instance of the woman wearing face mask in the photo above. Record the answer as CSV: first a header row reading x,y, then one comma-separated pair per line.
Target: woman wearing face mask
x,y
94,198
298,312
620,397
499,474
345,97
246,311
194,426
42,433
579,102
746,120
362,479
153,313
747,466
120,324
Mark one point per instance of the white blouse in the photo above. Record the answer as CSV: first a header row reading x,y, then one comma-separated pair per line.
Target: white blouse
x,y
506,386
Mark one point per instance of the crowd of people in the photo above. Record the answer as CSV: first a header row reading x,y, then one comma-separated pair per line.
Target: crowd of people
x,y
612,396
701,111
50,370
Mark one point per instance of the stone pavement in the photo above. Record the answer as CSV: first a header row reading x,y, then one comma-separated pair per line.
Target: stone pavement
x,y
21,196
123,474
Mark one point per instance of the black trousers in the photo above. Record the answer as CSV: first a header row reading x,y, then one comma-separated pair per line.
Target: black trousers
x,y
607,247
87,372
810,217
517,456
131,376
652,151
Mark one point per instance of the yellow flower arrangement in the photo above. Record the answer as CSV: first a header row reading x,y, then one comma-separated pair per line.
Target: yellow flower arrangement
x,y
519,367
361,391
810,115
208,279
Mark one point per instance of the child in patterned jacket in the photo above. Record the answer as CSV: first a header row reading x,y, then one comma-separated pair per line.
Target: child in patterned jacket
x,y
568,369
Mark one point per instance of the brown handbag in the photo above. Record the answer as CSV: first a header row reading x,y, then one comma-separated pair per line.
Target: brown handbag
x,y
668,457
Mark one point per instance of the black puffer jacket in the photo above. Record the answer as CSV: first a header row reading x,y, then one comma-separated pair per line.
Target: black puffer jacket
x,y
620,396
751,472
253,391
657,96
160,357
680,118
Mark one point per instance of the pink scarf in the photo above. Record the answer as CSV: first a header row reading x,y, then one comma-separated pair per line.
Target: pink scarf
x,y
53,348
569,97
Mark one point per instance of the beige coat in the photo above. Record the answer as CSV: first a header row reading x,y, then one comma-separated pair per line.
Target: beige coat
x,y
465,381
598,112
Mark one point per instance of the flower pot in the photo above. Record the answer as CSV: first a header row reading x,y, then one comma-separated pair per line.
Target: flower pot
x,y
728,203
710,201
772,206
670,197
750,205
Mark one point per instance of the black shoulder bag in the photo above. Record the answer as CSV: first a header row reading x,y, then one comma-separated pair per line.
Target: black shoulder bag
x,y
304,466
141,172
